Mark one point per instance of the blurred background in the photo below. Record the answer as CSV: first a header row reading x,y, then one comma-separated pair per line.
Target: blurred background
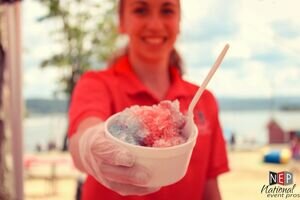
x,y
257,86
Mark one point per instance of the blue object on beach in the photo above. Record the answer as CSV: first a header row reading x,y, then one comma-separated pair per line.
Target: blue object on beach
x,y
282,156
272,157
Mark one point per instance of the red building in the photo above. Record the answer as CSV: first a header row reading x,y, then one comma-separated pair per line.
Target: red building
x,y
276,134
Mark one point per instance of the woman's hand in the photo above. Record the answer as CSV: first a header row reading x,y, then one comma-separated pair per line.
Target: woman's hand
x,y
111,165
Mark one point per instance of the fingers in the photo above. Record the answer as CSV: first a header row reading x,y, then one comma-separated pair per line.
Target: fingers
x,y
125,189
135,175
112,165
110,153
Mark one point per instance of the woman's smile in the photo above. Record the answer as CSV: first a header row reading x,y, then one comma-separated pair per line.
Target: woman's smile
x,y
154,40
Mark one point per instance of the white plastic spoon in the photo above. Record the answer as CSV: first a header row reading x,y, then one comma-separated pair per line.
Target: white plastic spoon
x,y
188,128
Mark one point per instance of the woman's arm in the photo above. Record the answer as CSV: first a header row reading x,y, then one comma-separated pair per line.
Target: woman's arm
x,y
111,165
74,140
211,190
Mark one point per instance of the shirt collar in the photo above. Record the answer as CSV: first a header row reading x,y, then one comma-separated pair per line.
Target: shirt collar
x,y
133,86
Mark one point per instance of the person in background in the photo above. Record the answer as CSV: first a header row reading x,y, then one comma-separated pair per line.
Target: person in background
x,y
148,72
232,141
295,145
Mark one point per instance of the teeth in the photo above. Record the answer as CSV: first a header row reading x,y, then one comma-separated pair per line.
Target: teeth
x,y
154,40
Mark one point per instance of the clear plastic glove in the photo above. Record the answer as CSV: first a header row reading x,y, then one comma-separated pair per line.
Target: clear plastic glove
x,y
111,165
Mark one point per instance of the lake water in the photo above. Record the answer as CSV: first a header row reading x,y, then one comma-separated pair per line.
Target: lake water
x,y
42,129
247,125
252,125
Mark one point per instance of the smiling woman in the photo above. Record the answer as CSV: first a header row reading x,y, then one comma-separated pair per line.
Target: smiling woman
x,y
152,28
147,73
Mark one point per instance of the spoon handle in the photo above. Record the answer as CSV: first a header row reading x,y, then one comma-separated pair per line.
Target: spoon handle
x,y
206,80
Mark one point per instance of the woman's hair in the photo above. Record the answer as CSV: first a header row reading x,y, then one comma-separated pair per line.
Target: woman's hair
x,y
121,7
174,60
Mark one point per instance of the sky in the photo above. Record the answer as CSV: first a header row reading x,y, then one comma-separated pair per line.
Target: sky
x,y
263,59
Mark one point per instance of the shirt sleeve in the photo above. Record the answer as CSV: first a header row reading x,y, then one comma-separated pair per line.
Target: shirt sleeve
x,y
218,162
90,98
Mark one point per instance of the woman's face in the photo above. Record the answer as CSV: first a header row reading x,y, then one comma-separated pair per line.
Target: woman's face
x,y
152,27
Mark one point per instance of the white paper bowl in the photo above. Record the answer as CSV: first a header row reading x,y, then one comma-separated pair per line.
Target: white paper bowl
x,y
166,164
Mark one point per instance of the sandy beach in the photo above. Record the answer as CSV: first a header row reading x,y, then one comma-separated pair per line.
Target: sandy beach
x,y
245,180
249,174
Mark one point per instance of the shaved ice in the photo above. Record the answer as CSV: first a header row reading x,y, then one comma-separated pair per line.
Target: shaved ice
x,y
159,125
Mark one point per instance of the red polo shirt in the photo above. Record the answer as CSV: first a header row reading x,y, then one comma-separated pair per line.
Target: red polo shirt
x,y
103,93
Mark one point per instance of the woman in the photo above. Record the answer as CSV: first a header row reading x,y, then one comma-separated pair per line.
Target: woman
x,y
149,71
